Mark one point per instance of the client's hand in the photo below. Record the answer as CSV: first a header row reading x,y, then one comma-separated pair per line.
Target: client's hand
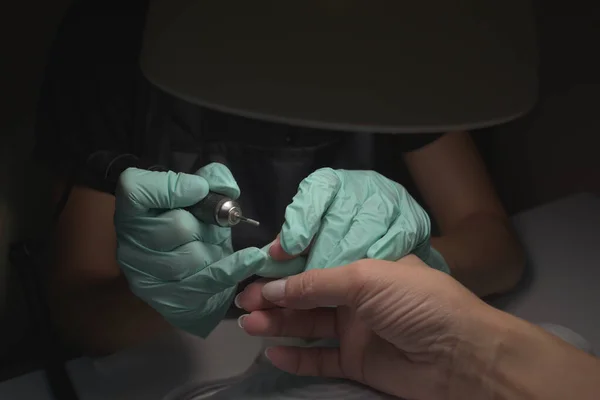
x,y
398,323
413,332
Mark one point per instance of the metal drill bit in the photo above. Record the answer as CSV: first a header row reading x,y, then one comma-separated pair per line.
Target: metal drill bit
x,y
238,217
248,220
220,210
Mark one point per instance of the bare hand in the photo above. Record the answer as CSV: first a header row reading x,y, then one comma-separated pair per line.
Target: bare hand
x,y
397,323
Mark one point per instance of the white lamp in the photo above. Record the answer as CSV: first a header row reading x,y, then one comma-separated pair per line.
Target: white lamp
x,y
387,66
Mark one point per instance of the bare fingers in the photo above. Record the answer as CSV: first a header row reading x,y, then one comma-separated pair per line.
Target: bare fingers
x,y
251,298
282,322
317,361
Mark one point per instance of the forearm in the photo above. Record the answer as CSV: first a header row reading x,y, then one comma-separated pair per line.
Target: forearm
x,y
105,317
90,299
508,358
483,254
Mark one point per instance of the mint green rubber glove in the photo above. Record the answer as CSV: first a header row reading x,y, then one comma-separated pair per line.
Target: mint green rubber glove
x,y
345,216
184,269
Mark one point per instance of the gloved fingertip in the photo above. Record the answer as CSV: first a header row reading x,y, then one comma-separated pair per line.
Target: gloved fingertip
x,y
293,242
220,179
191,186
378,252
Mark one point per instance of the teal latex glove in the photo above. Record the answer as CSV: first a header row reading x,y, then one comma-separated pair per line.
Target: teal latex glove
x,y
345,216
184,269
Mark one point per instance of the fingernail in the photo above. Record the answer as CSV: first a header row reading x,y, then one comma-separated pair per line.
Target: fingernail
x,y
240,321
236,301
267,351
274,291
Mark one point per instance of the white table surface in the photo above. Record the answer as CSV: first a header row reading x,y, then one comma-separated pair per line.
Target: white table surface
x,y
563,244
562,240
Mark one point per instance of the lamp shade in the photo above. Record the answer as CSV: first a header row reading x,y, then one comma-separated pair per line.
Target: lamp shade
x,y
389,66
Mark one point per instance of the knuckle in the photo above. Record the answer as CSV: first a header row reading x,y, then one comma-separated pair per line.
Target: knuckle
x,y
217,168
197,255
359,270
305,284
326,174
193,262
359,275
182,221
326,179
226,173
127,183
216,172
179,182
324,171
220,178
180,227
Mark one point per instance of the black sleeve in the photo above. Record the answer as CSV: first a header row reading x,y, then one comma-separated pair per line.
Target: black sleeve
x,y
408,143
388,161
88,99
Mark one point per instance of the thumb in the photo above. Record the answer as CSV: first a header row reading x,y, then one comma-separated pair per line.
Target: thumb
x,y
303,217
141,190
338,286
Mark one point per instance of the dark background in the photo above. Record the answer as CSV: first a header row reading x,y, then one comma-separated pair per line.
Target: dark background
x,y
551,153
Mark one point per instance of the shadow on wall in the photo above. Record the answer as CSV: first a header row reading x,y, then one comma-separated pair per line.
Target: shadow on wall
x,y
553,151
26,31
24,213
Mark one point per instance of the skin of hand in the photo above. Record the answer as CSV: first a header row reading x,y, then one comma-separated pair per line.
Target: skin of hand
x,y
476,237
397,325
413,332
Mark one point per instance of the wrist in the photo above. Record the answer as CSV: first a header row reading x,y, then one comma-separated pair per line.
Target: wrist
x,y
473,357
495,348
504,357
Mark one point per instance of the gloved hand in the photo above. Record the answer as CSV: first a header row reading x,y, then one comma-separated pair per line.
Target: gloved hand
x,y
184,269
345,216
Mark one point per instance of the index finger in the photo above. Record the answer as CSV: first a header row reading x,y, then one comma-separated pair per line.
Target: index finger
x,y
337,286
303,217
251,298
140,190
